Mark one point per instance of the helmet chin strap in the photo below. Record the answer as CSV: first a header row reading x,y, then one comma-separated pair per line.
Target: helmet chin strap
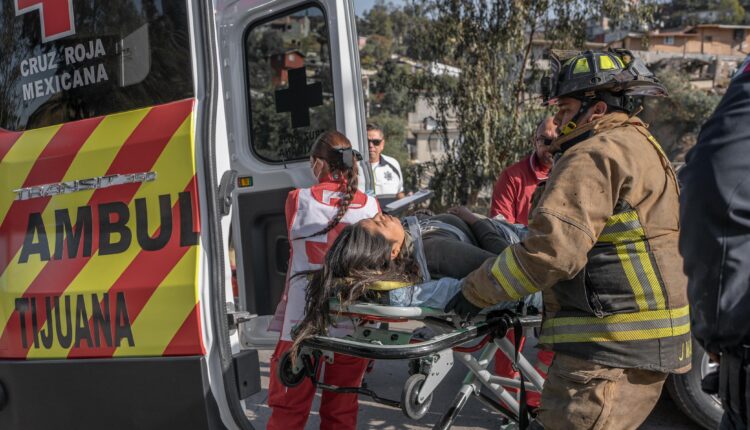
x,y
573,123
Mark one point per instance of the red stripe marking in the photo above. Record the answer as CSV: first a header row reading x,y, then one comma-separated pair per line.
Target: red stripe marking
x,y
183,343
137,154
7,140
142,278
50,167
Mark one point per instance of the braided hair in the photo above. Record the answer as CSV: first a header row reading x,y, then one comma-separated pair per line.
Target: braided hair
x,y
334,148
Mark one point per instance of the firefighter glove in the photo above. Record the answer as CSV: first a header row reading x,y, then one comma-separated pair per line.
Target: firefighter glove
x,y
462,307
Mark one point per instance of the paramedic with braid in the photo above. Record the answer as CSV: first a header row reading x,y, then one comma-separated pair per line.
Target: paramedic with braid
x,y
602,248
315,216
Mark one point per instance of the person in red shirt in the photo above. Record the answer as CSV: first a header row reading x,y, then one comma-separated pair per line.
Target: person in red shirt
x,y
511,198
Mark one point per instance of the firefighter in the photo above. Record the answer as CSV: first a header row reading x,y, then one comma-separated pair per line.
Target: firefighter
x,y
715,210
602,246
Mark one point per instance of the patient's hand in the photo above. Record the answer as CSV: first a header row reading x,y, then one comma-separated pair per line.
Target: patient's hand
x,y
465,214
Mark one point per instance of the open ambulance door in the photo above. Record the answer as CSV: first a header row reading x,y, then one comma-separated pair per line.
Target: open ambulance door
x,y
290,71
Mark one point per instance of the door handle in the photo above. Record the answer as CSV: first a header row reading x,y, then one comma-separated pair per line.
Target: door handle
x,y
226,187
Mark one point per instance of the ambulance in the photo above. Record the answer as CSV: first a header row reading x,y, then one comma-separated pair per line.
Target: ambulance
x,y
133,133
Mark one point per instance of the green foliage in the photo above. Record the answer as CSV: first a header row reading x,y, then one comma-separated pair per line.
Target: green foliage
x,y
686,104
682,113
493,97
732,10
376,52
391,91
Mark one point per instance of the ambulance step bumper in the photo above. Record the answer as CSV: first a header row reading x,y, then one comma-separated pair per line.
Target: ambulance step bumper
x,y
124,393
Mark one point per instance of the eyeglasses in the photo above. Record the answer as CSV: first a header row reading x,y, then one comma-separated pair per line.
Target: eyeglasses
x,y
375,142
545,141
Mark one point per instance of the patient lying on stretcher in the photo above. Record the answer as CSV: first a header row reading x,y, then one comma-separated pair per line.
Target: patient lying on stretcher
x,y
419,262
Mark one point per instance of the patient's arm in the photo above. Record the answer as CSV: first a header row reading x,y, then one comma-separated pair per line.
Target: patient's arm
x,y
487,234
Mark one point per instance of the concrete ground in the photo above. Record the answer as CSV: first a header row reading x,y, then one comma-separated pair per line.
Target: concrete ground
x,y
387,378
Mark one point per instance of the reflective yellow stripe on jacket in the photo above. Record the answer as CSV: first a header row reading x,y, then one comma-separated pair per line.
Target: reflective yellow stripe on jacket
x,y
642,325
625,232
508,274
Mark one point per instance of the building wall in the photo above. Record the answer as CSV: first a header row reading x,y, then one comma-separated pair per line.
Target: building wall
x,y
427,141
722,42
681,44
707,40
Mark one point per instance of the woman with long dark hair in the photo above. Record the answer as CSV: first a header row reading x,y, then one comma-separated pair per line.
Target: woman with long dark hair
x,y
314,217
382,251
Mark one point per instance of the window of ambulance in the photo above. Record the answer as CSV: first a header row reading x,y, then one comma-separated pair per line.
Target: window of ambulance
x,y
95,58
288,69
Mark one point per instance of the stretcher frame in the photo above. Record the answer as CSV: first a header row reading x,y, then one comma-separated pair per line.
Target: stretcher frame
x,y
430,360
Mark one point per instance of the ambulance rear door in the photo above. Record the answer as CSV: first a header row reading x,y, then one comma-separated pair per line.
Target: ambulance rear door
x,y
290,71
107,219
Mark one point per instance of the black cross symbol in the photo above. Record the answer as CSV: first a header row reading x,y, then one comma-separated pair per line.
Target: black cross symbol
x,y
299,97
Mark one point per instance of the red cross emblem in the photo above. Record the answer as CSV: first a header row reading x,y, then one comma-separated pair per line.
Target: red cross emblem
x,y
56,16
316,251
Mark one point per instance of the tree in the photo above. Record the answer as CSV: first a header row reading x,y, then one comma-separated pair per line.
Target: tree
x,y
494,96
676,120
731,10
390,89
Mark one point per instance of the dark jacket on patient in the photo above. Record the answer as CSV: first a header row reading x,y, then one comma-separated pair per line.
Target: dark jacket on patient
x,y
449,256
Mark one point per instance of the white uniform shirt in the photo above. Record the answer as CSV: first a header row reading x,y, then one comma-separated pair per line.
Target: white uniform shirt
x,y
388,178
308,210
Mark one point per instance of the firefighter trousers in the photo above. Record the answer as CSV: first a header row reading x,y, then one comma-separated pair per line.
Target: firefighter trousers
x,y
582,395
291,406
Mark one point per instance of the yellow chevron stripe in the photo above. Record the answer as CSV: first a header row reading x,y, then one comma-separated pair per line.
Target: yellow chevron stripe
x,y
173,172
18,163
635,284
166,310
93,159
622,217
656,288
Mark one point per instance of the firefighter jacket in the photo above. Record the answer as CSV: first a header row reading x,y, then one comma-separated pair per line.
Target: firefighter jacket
x,y
602,246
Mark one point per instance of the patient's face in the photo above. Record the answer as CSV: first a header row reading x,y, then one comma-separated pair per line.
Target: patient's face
x,y
388,227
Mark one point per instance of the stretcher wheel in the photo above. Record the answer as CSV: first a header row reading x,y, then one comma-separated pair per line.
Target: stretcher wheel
x,y
286,373
409,398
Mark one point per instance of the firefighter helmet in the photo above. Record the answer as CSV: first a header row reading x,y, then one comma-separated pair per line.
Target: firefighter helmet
x,y
615,76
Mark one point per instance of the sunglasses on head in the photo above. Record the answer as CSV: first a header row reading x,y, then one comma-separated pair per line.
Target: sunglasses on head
x,y
349,156
375,142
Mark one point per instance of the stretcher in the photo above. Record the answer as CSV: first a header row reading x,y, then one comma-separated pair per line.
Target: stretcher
x,y
429,360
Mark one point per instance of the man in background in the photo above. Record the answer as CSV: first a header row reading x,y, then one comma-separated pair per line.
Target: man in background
x,y
511,196
389,182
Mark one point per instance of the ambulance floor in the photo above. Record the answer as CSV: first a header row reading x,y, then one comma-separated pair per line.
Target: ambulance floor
x,y
475,416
